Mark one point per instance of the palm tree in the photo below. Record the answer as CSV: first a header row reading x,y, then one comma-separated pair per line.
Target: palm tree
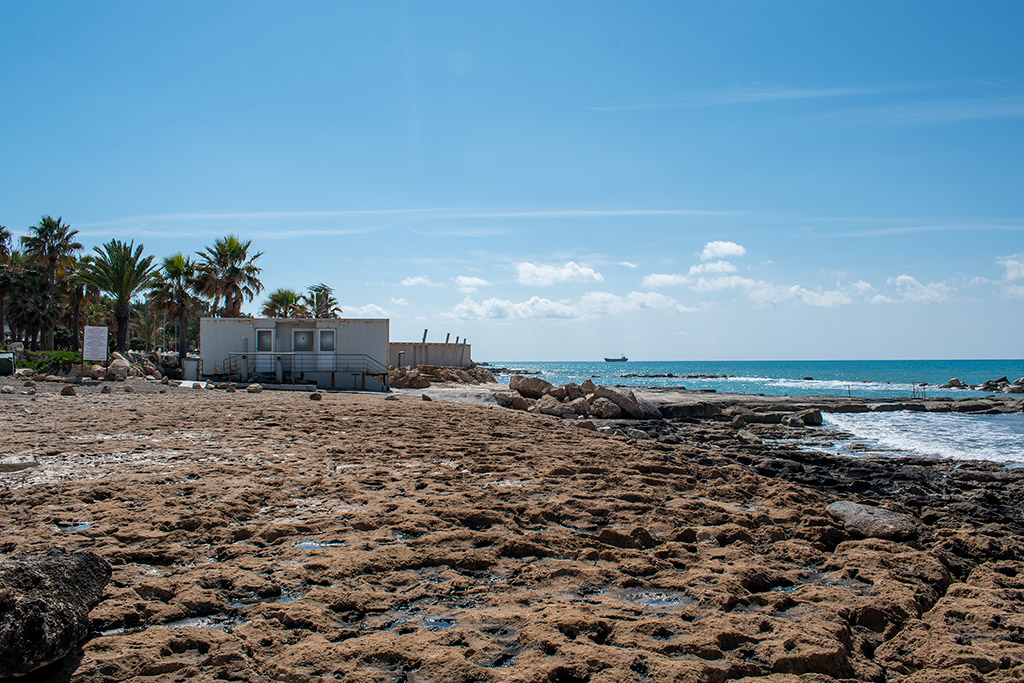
x,y
50,242
321,301
143,324
227,272
173,293
284,303
119,270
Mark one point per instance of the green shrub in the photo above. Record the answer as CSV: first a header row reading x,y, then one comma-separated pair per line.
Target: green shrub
x,y
50,362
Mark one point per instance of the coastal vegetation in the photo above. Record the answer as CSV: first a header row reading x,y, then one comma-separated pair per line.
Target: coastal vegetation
x,y
49,289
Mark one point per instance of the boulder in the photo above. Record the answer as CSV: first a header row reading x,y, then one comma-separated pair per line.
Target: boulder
x,y
810,417
426,398
5,389
573,391
316,396
587,387
106,389
1013,389
604,409
586,424
748,437
628,403
503,398
119,369
530,387
520,402
640,434
1019,382
18,349
391,397
416,381
45,598
549,405
557,392
24,373
67,390
252,388
578,405
873,522
955,383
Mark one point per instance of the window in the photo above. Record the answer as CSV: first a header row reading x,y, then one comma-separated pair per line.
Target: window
x,y
264,340
327,341
303,340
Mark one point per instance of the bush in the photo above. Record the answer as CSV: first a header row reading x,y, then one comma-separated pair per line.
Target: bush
x,y
51,362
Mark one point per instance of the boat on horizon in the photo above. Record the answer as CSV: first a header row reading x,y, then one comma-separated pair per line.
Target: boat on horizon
x,y
620,359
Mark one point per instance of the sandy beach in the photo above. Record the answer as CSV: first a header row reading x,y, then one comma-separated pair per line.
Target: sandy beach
x,y
268,537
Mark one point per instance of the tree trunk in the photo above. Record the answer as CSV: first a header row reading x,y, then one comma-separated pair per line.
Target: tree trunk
x,y
51,302
182,337
76,317
122,311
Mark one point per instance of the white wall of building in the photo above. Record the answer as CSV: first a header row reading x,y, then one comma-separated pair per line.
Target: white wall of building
x,y
353,337
433,353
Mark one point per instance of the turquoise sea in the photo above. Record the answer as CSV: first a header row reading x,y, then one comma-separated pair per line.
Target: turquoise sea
x,y
999,438
866,378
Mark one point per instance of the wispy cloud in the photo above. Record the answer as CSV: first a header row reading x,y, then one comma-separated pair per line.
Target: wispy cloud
x,y
925,228
743,95
419,281
937,111
367,311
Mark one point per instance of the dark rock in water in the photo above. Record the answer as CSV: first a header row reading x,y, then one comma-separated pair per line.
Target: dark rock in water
x,y
45,598
426,398
704,410
873,522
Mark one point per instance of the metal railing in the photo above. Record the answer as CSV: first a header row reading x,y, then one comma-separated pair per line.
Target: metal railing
x,y
293,364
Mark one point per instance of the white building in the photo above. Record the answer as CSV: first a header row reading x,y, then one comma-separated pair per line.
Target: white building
x,y
333,353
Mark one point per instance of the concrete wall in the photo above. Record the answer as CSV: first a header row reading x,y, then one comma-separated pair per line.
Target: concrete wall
x,y
431,353
219,337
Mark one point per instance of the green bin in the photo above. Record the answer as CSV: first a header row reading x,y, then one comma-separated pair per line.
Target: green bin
x,y
6,363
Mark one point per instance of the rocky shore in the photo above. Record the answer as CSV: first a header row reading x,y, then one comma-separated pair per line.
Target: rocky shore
x,y
264,536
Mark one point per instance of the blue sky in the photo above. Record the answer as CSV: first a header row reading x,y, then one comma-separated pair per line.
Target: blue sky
x,y
554,181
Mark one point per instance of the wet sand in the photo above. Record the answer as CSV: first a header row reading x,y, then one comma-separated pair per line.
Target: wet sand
x,y
266,536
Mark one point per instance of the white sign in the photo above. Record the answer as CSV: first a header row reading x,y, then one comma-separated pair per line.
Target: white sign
x,y
95,344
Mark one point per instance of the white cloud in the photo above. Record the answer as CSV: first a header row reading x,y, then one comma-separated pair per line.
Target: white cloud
x,y
400,302
532,274
861,287
627,264
465,283
713,267
590,305
656,280
1014,266
882,299
705,284
491,309
419,281
367,311
720,250
908,288
766,293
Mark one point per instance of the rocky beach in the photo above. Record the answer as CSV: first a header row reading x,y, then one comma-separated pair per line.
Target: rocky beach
x,y
365,537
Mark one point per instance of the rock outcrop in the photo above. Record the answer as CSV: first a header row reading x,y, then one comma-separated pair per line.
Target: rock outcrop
x,y
873,522
45,598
